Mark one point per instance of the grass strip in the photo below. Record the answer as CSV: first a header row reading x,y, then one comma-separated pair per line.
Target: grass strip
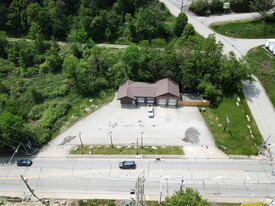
x,y
248,29
128,150
263,64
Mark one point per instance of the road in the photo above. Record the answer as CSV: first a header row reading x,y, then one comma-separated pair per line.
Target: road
x,y
88,176
256,97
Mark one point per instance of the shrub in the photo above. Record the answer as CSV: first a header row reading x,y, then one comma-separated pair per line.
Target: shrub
x,y
240,5
270,18
55,111
216,6
199,7
188,31
180,23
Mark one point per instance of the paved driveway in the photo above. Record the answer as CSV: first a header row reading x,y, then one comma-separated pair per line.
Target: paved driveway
x,y
169,126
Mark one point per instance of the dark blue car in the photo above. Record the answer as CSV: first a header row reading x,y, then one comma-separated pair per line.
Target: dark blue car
x,y
24,162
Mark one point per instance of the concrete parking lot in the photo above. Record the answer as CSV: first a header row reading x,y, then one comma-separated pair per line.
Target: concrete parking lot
x,y
126,124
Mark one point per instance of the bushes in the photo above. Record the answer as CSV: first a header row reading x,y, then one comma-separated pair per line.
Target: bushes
x,y
202,7
199,7
55,111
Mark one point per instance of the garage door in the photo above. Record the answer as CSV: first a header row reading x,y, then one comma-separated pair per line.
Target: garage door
x,y
172,102
162,101
140,100
150,100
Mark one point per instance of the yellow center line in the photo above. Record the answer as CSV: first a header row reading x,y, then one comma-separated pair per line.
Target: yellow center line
x,y
101,170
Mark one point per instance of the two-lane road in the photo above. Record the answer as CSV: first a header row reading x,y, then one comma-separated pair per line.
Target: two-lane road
x,y
217,177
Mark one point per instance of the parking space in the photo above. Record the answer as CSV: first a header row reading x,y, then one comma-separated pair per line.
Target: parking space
x,y
125,124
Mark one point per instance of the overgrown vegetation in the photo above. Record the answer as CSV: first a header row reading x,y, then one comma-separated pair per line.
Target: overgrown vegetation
x,y
240,136
130,150
263,64
255,29
204,7
43,85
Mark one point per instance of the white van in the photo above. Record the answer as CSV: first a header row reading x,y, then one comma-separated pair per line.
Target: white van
x,y
271,46
268,42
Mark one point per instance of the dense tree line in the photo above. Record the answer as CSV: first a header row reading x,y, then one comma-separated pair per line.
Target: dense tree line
x,y
100,20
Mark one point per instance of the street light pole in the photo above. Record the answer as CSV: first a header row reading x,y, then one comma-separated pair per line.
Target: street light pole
x,y
16,150
111,139
81,140
141,143
137,146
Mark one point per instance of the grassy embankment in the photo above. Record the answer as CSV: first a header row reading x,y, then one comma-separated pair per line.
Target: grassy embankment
x,y
248,29
122,150
237,137
263,63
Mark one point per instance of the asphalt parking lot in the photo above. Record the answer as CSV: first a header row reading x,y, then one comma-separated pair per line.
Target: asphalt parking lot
x,y
127,124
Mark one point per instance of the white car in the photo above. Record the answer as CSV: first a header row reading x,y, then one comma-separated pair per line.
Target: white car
x,y
150,111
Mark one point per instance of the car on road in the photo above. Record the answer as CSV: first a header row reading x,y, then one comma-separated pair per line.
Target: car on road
x,y
150,111
127,165
24,162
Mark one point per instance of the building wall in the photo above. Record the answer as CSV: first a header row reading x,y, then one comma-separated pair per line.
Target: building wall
x,y
126,100
167,97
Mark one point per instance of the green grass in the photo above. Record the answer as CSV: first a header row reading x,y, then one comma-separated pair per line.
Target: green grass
x,y
236,138
108,150
263,63
249,29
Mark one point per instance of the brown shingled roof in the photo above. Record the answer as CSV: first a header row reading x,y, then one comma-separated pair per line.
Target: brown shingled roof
x,y
143,89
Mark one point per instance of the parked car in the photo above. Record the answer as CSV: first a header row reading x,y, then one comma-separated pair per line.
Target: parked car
x,y
24,162
127,165
150,111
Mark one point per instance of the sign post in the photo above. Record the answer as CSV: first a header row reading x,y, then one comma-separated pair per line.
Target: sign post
x,y
226,6
226,123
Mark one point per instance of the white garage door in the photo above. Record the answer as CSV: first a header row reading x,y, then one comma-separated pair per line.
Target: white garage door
x,y
150,100
162,101
172,102
140,100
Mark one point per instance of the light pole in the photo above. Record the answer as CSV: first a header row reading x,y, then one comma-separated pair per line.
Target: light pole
x,y
16,150
111,139
141,142
81,140
137,146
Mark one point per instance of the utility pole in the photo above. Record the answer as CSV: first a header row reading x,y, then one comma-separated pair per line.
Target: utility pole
x,y
81,140
262,146
160,189
111,139
140,197
181,10
31,190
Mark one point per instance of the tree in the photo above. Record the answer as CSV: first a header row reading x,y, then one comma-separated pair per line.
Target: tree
x,y
188,31
10,124
3,44
180,23
262,6
199,7
188,197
